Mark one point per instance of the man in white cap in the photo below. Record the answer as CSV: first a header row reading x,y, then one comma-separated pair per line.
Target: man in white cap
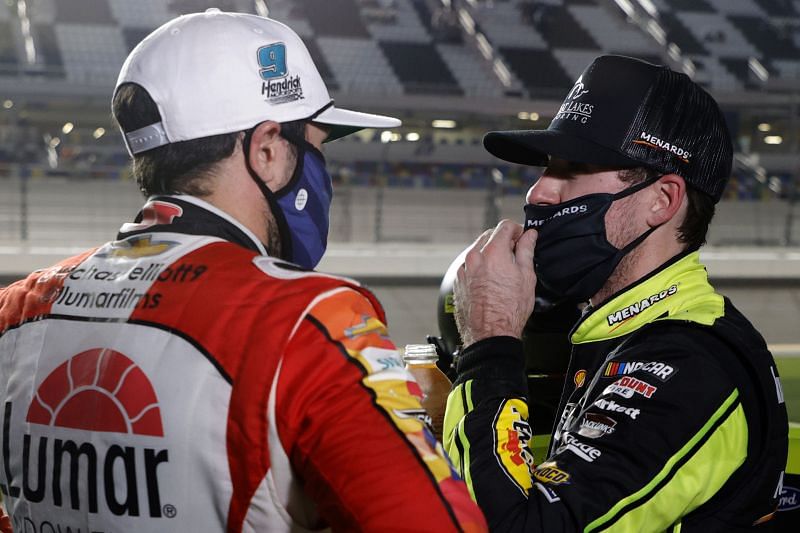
x,y
196,374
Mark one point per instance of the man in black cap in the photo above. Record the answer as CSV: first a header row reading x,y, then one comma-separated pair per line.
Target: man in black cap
x,y
672,416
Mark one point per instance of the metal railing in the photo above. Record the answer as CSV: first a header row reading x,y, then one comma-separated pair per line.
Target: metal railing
x,y
76,211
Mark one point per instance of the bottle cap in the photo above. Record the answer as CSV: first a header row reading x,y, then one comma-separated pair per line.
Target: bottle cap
x,y
420,353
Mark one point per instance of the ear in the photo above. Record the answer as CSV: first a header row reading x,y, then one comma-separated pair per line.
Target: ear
x,y
267,149
669,195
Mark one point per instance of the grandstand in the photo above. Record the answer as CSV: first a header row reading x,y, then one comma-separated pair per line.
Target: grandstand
x,y
468,65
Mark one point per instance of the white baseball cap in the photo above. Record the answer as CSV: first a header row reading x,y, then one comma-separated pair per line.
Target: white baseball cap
x,y
215,72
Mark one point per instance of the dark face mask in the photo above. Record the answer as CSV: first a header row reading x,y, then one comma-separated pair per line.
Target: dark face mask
x,y
301,208
573,258
304,204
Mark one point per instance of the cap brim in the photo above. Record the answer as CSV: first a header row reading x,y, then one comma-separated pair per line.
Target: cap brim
x,y
536,147
344,122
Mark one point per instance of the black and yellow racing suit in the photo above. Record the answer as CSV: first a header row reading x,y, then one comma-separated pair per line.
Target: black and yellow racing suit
x,y
672,418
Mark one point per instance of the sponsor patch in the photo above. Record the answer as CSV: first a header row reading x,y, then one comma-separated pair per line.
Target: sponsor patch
x,y
570,210
660,370
418,414
614,407
574,110
585,451
384,364
628,386
136,247
512,438
618,317
651,141
369,324
789,499
579,378
98,390
277,86
550,474
549,494
594,425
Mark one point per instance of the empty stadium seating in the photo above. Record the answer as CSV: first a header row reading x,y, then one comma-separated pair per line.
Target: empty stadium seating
x,y
86,40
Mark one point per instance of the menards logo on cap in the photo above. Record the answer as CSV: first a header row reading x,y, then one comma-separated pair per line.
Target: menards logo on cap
x,y
647,139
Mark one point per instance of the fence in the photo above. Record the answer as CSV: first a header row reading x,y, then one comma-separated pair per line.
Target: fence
x,y
73,212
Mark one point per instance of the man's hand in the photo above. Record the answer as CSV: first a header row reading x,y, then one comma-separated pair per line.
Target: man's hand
x,y
494,290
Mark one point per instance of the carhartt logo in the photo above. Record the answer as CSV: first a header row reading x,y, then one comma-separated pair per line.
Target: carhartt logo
x,y
98,390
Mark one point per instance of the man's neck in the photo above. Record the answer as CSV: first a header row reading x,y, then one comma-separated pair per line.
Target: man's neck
x,y
640,262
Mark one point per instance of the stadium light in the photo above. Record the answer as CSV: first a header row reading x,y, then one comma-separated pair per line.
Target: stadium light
x,y
99,132
67,128
8,104
773,139
524,115
758,69
412,137
445,124
764,127
386,136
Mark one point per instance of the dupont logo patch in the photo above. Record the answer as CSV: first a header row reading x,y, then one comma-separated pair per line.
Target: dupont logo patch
x,y
98,390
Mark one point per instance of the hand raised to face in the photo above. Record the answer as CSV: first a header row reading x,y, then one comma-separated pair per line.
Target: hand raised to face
x,y
495,288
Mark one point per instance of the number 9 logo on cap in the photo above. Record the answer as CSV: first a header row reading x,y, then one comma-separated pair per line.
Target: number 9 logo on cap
x,y
272,60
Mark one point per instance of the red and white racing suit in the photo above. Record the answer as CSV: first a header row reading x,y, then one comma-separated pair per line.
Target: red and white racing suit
x,y
178,379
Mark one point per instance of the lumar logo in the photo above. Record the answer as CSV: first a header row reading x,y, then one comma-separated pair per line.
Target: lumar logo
x,y
634,309
652,141
98,390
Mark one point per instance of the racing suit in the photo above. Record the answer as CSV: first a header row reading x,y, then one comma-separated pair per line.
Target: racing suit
x,y
672,418
179,379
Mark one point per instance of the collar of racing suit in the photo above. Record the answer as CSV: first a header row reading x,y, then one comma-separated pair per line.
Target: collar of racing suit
x,y
678,290
189,215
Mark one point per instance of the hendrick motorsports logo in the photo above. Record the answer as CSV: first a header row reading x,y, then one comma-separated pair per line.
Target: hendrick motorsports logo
x,y
99,390
277,86
636,308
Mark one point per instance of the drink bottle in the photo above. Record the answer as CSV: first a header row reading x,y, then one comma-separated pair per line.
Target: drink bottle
x,y
420,360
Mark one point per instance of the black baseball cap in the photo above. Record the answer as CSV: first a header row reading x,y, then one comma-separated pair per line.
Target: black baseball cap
x,y
623,112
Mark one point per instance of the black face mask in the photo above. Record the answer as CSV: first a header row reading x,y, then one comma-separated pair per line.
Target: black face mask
x,y
573,258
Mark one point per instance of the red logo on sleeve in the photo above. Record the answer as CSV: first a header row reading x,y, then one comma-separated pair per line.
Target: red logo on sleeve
x,y
98,390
